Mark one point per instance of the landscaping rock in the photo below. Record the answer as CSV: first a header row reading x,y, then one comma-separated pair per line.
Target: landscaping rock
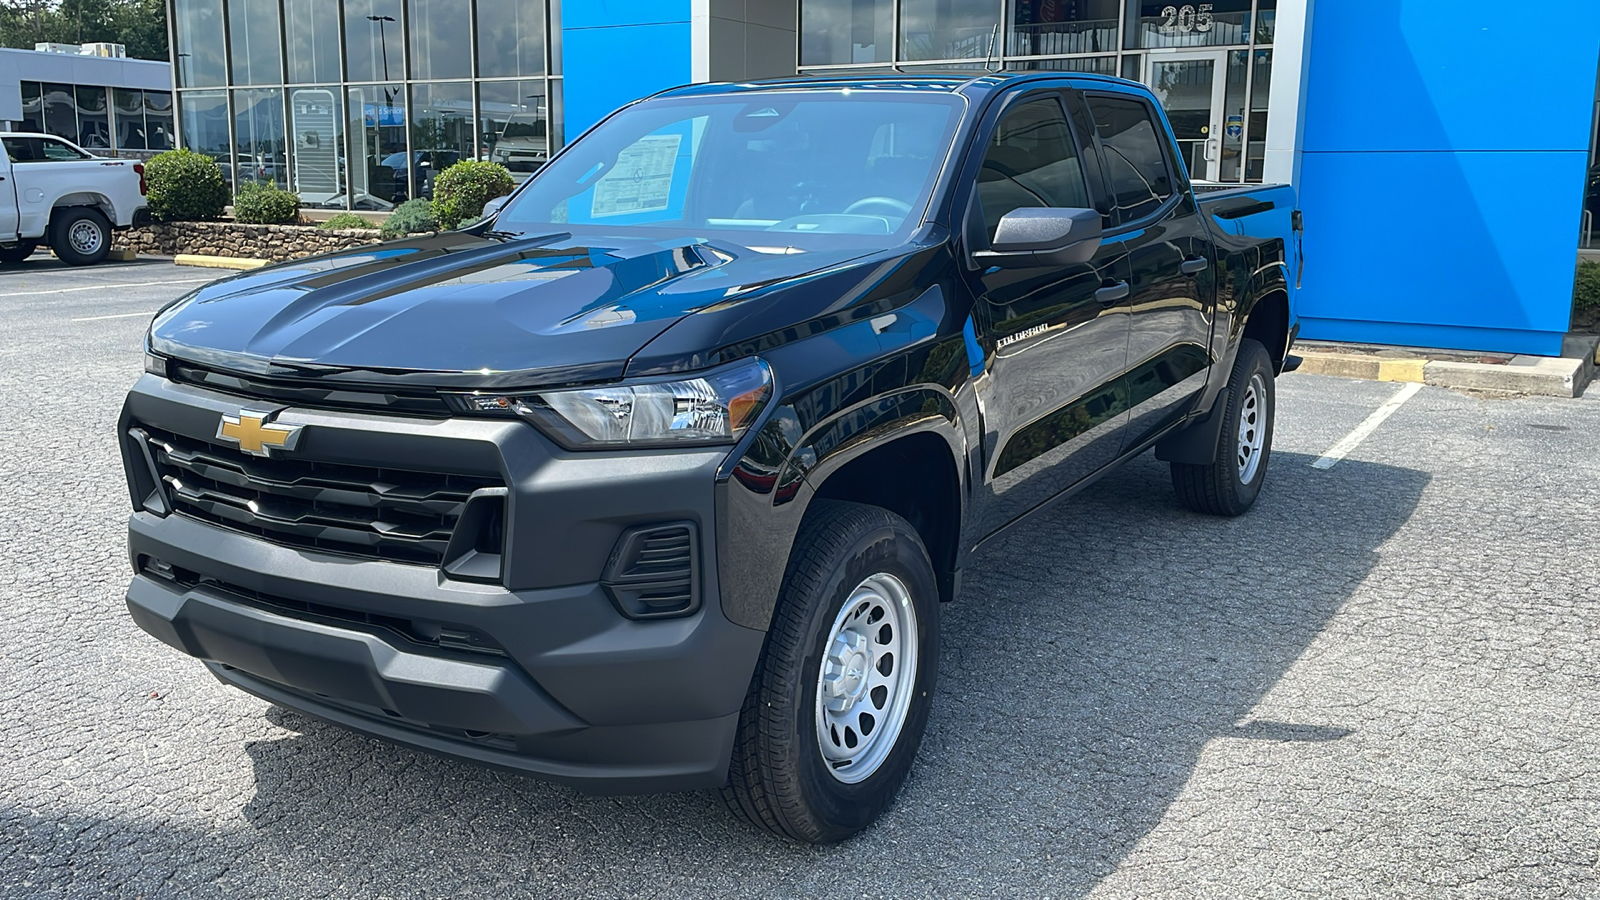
x,y
274,242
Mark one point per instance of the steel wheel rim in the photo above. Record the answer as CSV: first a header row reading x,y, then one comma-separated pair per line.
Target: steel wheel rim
x,y
867,678
1252,428
84,237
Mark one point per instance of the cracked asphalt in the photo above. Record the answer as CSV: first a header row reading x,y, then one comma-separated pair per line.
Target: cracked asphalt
x,y
1379,683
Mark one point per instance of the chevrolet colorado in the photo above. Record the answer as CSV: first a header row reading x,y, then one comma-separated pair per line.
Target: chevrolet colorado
x,y
656,478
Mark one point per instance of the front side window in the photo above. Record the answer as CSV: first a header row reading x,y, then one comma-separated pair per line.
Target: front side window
x,y
1136,164
802,163
1031,162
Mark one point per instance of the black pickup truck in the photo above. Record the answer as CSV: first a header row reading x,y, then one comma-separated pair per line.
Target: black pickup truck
x,y
656,478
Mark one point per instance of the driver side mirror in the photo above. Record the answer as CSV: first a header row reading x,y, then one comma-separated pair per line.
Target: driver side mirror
x,y
493,206
1041,236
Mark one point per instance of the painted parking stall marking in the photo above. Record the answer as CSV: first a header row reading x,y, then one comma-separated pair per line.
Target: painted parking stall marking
x,y
1354,438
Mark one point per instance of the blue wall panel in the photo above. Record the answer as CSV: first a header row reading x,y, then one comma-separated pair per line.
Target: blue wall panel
x,y
1451,75
1443,171
616,51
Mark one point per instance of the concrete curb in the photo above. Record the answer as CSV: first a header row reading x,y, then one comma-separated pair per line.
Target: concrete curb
x,y
218,262
1545,376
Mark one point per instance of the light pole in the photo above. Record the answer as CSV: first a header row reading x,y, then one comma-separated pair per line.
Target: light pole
x,y
383,42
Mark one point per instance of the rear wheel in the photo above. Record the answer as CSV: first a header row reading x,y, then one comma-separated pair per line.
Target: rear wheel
x,y
80,236
1229,486
13,254
839,702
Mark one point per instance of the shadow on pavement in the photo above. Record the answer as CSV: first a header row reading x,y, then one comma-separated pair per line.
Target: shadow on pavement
x,y
1089,662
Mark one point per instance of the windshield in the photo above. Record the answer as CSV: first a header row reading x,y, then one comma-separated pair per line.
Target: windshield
x,y
801,163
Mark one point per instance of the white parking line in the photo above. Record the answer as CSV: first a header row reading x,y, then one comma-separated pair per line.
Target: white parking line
x,y
118,316
1354,438
108,286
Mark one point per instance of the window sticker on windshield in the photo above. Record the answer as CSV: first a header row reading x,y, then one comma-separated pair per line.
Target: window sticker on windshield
x,y
641,180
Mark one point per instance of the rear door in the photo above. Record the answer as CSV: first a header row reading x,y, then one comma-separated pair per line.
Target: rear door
x,y
1171,304
8,200
1054,402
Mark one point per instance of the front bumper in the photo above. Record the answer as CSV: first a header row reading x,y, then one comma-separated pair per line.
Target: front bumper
x,y
554,680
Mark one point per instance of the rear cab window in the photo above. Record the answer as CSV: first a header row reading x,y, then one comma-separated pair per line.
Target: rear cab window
x,y
1138,169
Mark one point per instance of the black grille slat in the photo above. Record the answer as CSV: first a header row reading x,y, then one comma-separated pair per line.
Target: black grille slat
x,y
385,513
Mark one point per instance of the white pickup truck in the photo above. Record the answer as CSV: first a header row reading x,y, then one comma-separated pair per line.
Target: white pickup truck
x,y
55,193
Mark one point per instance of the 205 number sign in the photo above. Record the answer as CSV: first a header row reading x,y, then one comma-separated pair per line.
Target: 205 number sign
x,y
1186,19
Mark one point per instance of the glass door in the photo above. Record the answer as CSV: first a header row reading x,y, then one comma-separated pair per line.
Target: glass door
x,y
1190,86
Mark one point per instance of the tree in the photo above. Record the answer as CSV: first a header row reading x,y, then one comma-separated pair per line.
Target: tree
x,y
141,25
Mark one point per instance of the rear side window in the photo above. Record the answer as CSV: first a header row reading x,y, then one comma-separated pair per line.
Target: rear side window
x,y
1136,164
1031,161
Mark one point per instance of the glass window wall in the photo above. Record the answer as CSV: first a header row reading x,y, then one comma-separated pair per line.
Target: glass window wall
x,y
514,125
311,28
441,131
1221,47
204,120
199,60
373,41
94,119
840,32
60,110
130,126
32,107
354,104
255,42
1056,27
259,147
511,38
441,38
158,130
949,29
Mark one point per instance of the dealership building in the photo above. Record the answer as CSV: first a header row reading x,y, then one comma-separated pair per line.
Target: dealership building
x,y
1444,149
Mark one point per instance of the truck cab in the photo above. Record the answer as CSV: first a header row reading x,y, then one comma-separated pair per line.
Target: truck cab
x,y
657,478
55,193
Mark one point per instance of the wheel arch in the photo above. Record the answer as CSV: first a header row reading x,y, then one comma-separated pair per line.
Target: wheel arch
x,y
91,199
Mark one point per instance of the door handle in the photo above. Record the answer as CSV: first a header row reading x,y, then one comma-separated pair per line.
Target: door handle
x,y
1112,293
1211,150
1194,266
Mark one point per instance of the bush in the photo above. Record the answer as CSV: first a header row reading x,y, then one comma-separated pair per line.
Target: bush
x,y
346,220
1586,294
460,191
263,204
184,186
411,217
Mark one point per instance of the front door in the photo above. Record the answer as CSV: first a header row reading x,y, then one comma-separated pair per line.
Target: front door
x,y
1190,86
1054,398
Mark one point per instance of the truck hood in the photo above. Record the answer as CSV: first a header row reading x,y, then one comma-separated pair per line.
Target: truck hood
x,y
466,311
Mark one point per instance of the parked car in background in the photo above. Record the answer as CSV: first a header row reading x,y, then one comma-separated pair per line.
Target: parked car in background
x,y
55,193
424,166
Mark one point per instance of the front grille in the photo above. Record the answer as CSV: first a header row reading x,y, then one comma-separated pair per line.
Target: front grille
x,y
399,515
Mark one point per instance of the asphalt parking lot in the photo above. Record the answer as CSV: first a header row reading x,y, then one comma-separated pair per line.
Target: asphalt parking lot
x,y
1381,682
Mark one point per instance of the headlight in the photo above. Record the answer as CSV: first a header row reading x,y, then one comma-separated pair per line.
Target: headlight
x,y
714,408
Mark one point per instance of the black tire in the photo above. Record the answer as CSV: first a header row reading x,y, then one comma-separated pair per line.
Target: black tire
x,y
778,778
1221,488
69,237
18,252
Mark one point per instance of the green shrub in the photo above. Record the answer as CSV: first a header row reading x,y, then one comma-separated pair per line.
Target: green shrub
x,y
411,217
346,220
184,186
460,191
264,204
1586,294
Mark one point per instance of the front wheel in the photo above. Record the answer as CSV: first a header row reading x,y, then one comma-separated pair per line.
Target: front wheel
x,y
841,697
80,236
1229,486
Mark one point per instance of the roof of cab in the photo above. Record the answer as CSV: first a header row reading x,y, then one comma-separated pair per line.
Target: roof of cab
x,y
971,84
